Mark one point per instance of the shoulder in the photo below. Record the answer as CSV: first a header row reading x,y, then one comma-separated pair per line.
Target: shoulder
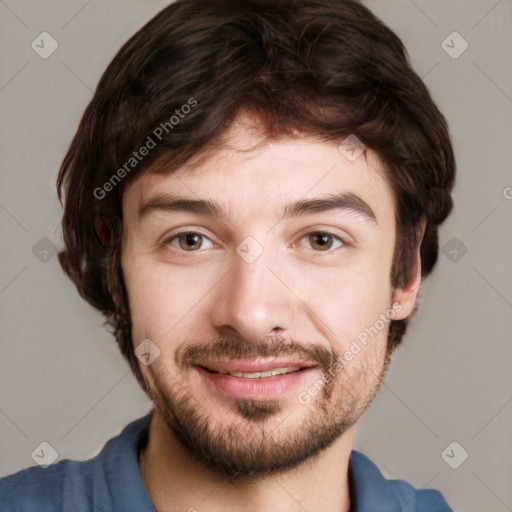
x,y
418,500
46,487
75,486
372,491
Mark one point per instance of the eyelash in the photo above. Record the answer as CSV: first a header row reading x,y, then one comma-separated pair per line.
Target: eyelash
x,y
176,236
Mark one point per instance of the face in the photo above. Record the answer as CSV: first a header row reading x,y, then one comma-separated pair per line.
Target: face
x,y
261,277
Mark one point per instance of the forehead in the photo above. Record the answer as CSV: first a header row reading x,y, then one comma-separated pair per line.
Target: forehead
x,y
260,177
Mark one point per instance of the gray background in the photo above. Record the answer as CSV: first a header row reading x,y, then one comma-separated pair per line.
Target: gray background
x,y
62,379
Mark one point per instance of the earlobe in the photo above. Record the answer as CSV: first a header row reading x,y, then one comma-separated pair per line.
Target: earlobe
x,y
407,295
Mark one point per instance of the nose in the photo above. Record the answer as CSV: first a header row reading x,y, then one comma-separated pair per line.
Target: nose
x,y
253,301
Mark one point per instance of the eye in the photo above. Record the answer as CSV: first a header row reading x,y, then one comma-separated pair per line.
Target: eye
x,y
323,241
189,241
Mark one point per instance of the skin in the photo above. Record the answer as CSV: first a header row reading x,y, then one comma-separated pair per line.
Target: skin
x,y
310,293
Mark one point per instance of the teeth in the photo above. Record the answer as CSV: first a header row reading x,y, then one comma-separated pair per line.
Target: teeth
x,y
262,375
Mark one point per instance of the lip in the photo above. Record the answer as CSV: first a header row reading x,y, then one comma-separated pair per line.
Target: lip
x,y
254,365
267,388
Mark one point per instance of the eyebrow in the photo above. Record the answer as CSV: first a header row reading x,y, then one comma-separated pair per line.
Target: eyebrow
x,y
344,201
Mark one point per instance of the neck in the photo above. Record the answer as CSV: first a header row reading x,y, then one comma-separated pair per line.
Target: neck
x,y
175,481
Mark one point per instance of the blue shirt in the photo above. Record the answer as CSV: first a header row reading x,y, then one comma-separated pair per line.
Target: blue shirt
x,y
111,482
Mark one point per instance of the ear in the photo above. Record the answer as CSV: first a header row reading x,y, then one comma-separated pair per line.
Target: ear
x,y
407,295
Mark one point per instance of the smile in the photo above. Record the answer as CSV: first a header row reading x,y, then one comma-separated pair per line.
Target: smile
x,y
257,375
262,380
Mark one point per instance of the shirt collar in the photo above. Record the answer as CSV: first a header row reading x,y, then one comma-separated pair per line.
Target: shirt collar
x,y
369,490
122,472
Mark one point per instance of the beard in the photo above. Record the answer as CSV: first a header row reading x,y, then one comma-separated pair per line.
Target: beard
x,y
261,444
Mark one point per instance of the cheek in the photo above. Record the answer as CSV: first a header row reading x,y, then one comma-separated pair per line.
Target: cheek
x,y
353,305
148,295
152,305
163,298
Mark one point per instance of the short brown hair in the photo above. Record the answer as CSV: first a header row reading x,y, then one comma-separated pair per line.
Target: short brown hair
x,y
320,68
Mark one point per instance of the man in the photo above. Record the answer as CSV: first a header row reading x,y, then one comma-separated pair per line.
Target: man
x,y
252,199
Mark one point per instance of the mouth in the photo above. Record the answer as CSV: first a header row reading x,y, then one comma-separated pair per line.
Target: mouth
x,y
255,368
263,379
257,375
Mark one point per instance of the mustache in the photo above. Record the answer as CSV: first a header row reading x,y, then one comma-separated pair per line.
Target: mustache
x,y
231,347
